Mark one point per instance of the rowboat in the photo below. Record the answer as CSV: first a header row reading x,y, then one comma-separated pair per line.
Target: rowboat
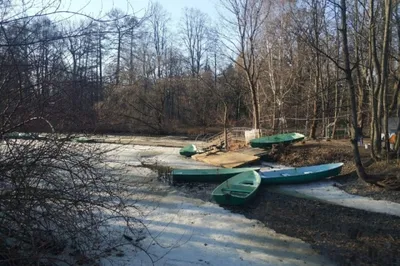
x,y
83,140
21,135
188,150
237,190
268,141
300,174
208,175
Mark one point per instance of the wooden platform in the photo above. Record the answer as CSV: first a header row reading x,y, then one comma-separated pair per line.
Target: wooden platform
x,y
253,151
226,159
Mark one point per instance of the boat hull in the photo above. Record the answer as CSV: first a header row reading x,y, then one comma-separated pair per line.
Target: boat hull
x,y
269,141
237,190
22,135
188,150
83,140
301,174
208,175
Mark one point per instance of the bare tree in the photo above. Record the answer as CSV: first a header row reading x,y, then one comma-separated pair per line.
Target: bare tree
x,y
122,24
379,73
159,22
246,18
281,68
194,34
350,82
317,16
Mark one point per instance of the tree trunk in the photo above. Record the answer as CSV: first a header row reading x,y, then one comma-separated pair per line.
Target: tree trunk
x,y
385,71
307,112
117,71
397,144
317,80
361,78
376,146
226,127
274,114
100,92
315,111
346,57
256,110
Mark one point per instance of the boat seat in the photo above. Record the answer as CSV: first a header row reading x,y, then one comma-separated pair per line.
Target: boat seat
x,y
241,187
229,190
247,183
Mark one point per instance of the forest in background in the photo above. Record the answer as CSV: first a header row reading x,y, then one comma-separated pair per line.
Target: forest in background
x,y
275,65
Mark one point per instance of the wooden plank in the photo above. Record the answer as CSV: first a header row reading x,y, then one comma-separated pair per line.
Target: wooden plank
x,y
226,159
253,151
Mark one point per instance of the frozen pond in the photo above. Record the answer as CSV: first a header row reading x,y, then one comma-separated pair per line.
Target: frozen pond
x,y
187,231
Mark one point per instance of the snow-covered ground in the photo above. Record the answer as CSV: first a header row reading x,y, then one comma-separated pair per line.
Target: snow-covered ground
x,y
187,231
137,154
327,192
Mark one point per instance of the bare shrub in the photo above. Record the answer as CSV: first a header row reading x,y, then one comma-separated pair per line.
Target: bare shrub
x,y
57,198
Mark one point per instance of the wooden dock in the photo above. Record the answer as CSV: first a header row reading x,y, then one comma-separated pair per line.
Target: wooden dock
x,y
226,159
253,151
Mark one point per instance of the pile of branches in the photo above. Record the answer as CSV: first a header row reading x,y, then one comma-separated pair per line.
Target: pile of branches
x,y
57,203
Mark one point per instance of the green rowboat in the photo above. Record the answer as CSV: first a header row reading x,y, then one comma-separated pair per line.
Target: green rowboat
x,y
237,190
267,142
22,135
300,174
83,140
188,150
208,175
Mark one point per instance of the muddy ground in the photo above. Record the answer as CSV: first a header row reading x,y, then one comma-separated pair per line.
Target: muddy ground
x,y
347,236
319,152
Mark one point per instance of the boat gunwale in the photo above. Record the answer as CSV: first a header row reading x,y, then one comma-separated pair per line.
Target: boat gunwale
x,y
200,172
268,139
335,167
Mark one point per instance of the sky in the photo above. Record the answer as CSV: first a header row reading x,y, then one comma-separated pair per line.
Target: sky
x,y
98,8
